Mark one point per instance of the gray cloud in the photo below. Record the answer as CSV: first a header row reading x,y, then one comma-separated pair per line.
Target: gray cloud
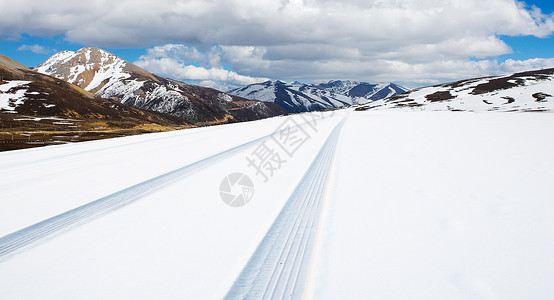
x,y
294,39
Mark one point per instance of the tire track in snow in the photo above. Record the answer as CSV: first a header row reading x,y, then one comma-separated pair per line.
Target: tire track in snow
x,y
279,267
87,212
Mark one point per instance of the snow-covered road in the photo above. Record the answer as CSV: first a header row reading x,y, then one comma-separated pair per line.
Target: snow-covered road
x,y
344,205
279,267
126,196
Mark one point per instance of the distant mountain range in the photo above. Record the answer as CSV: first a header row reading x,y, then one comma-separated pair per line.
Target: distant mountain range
x,y
301,97
525,91
110,76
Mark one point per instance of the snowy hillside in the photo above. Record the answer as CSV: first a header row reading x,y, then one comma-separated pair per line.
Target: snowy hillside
x,y
299,97
340,205
526,91
109,76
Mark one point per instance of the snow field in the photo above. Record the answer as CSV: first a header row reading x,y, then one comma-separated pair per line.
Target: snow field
x,y
426,205
198,239
439,205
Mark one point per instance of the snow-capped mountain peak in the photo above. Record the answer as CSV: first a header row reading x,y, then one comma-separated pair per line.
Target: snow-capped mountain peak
x,y
89,68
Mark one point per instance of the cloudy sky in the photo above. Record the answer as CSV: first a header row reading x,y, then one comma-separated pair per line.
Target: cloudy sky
x,y
227,43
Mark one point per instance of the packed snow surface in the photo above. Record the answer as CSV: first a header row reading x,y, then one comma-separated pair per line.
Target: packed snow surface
x,y
357,205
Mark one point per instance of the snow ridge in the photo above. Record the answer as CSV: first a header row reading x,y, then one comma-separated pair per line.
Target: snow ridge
x,y
58,58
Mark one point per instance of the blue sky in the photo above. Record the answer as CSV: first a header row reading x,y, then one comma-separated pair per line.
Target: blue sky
x,y
527,47
545,5
224,44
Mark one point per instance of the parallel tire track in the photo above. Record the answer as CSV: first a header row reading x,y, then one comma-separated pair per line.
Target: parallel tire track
x,y
65,221
278,268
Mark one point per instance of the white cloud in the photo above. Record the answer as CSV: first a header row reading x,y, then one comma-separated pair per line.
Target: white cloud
x,y
176,50
510,65
38,49
170,61
292,39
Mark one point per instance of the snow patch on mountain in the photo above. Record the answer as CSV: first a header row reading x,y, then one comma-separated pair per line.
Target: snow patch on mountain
x,y
110,73
12,94
126,88
224,97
